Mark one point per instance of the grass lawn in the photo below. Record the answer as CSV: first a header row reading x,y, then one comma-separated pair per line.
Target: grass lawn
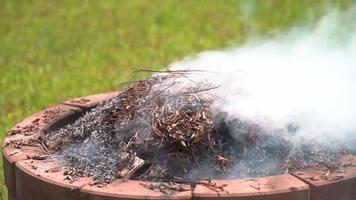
x,y
54,50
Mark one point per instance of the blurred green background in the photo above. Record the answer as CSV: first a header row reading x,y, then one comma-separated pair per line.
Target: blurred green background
x,y
55,50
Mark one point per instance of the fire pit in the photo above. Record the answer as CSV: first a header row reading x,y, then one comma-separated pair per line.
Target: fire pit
x,y
28,175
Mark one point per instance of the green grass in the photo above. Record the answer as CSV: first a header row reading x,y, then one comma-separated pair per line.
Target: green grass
x,y
54,50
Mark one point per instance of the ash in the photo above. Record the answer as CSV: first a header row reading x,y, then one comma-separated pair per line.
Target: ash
x,y
89,144
152,131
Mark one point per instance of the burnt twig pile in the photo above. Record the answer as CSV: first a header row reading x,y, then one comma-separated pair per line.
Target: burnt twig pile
x,y
161,130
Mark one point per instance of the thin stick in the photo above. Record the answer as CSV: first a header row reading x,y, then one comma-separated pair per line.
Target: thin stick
x,y
167,71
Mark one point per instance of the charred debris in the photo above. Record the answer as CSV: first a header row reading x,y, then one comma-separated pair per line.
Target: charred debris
x,y
162,130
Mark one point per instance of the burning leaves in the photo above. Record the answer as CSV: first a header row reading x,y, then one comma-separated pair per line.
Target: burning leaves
x,y
148,132
184,118
162,128
159,129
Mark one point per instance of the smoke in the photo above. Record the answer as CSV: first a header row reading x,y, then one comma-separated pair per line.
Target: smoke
x,y
303,80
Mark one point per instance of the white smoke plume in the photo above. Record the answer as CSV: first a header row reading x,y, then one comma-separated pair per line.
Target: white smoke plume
x,y
305,77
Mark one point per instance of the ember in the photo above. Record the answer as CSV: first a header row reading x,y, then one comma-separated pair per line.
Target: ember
x,y
154,131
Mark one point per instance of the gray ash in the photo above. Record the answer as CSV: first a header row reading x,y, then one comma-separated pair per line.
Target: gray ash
x,y
154,132
88,144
